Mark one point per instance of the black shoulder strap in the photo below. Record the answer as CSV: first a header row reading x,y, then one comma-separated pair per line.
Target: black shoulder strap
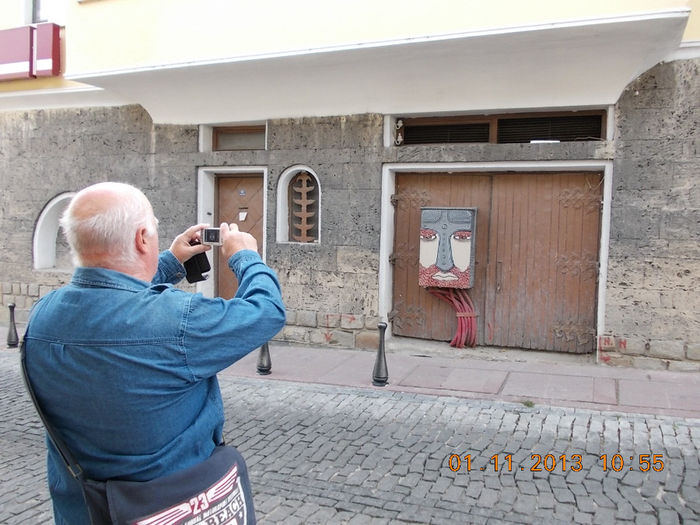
x,y
71,464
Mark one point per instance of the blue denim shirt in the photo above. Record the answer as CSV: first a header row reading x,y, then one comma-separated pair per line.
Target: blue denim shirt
x,y
126,370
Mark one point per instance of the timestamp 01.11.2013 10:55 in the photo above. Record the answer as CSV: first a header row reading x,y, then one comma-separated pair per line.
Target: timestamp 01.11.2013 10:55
x,y
560,462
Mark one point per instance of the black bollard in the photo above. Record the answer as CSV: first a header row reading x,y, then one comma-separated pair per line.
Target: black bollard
x,y
380,375
264,361
12,339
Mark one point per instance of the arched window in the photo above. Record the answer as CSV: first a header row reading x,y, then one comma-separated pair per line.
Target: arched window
x,y
299,206
303,208
50,251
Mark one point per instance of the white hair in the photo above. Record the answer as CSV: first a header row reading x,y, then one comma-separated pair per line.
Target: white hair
x,y
112,229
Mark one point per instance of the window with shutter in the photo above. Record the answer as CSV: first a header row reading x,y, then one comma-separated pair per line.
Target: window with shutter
x,y
502,129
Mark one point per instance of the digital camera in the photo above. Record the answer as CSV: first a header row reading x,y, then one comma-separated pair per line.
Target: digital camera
x,y
211,236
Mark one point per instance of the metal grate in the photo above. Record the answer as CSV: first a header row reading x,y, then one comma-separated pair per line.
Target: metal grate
x,y
502,129
447,133
303,208
563,129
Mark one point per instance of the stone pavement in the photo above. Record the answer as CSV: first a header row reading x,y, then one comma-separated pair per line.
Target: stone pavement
x,y
344,453
489,373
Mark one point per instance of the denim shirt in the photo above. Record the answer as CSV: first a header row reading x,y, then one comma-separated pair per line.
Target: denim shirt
x,y
126,370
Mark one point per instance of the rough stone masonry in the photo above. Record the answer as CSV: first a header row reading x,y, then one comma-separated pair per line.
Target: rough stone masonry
x,y
654,266
331,287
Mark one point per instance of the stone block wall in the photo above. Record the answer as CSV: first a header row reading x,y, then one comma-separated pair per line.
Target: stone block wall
x,y
49,152
331,287
653,308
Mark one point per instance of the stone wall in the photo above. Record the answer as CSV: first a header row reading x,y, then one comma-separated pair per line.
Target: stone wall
x,y
331,288
653,307
47,153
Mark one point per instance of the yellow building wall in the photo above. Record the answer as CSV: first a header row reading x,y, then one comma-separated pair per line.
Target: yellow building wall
x,y
692,30
108,35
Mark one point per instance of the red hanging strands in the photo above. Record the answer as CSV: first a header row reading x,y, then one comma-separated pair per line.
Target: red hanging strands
x,y
469,314
464,310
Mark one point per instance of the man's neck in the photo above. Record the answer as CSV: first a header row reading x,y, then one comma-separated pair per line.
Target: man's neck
x,y
137,269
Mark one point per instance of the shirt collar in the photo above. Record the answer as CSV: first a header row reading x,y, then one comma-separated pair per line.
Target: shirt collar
x,y
84,276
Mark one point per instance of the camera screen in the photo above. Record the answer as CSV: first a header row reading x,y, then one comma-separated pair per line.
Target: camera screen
x,y
211,235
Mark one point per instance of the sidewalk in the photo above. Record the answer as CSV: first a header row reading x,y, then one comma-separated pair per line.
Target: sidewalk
x,y
539,380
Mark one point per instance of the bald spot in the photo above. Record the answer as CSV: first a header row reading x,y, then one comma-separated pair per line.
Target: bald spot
x,y
94,200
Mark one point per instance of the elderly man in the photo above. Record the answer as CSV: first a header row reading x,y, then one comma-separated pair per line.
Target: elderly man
x,y
123,364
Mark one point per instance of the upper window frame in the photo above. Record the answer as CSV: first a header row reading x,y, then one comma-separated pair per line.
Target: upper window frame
x,y
492,121
232,130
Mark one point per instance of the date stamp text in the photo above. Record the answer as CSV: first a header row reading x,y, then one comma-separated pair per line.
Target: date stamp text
x,y
556,462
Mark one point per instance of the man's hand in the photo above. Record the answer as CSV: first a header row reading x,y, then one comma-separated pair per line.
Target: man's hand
x,y
234,241
181,248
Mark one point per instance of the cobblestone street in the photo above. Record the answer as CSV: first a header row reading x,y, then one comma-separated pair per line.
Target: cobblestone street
x,y
329,454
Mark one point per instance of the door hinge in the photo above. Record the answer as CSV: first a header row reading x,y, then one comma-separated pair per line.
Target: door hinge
x,y
392,258
394,200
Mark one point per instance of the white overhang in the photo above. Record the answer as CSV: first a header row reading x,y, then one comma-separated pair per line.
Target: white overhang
x,y
577,64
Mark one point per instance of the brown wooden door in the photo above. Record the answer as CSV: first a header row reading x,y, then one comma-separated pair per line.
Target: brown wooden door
x,y
536,258
239,200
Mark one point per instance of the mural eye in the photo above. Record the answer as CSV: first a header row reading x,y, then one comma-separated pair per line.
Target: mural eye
x,y
462,235
427,234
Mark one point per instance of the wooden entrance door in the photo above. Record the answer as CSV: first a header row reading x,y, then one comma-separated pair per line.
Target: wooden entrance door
x,y
536,258
240,200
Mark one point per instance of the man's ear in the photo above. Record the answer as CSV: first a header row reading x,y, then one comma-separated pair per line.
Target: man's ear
x,y
141,240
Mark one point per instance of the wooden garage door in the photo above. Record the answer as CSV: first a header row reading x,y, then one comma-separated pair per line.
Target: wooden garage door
x,y
536,258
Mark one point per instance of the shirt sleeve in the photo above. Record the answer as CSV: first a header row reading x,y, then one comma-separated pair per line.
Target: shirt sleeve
x,y
219,332
170,270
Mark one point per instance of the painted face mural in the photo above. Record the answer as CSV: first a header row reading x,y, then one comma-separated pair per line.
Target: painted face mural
x,y
446,253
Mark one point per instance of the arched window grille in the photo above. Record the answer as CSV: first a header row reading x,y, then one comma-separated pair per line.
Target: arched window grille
x,y
303,208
